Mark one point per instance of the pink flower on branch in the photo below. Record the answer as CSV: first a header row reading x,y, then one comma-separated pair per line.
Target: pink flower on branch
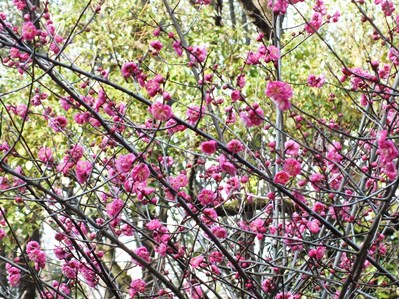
x,y
83,170
281,93
160,111
140,172
209,147
137,286
282,177
29,31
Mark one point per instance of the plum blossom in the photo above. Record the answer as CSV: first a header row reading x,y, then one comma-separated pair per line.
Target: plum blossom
x,y
2,234
124,163
278,6
316,81
315,23
143,253
29,31
36,255
115,207
253,116
291,148
13,275
313,226
219,232
160,111
137,286
388,7
58,123
45,155
292,167
195,262
206,197
194,113
209,147
317,253
209,216
282,177
226,165
140,172
198,54
386,148
393,55
130,69
83,170
272,53
19,4
156,45
235,146
281,93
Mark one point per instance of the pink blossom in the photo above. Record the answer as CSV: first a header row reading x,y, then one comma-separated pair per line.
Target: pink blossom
x,y
137,286
20,4
194,113
313,226
216,257
143,253
83,170
316,81
209,216
124,163
252,58
387,7
235,146
29,31
194,292
21,110
226,166
154,224
75,153
209,147
235,95
281,177
292,166
253,116
36,255
206,197
317,253
130,69
198,54
267,285
46,155
281,93
160,111
393,55
291,148
386,148
241,81
219,232
195,262
115,207
140,172
58,123
177,47
285,295
70,269
13,275
179,182
2,234
278,6
157,45
315,23
272,54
